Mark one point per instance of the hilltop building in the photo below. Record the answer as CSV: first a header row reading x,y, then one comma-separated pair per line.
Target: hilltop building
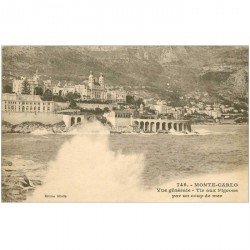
x,y
118,96
161,107
97,89
63,89
91,89
17,86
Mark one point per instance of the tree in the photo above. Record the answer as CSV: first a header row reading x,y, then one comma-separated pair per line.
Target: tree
x,y
38,91
98,111
77,95
72,104
26,88
106,110
130,99
58,98
241,120
138,102
7,89
70,96
47,95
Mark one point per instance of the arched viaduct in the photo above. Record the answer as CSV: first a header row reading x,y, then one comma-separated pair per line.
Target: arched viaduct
x,y
155,125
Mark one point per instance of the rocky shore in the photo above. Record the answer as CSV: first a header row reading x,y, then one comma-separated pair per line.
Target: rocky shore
x,y
29,127
19,180
40,128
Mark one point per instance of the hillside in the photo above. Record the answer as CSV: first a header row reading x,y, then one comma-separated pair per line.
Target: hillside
x,y
165,71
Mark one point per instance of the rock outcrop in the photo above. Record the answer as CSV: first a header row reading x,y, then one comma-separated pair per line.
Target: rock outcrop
x,y
29,127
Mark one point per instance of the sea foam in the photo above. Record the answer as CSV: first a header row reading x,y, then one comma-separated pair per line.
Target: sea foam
x,y
86,169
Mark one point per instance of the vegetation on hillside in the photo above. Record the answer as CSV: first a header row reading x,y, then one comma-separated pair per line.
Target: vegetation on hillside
x,y
168,72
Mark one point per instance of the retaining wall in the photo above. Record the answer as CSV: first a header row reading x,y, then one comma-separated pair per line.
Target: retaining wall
x,y
19,117
96,105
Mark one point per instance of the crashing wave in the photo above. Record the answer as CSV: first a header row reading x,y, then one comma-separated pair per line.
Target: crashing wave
x,y
86,169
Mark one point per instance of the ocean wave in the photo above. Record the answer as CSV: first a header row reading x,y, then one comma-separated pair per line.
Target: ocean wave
x,y
86,169
91,128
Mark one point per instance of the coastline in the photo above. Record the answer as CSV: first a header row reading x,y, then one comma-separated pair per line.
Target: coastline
x,y
29,127
57,128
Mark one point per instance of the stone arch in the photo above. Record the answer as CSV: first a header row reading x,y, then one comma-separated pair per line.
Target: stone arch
x,y
164,126
175,126
152,127
136,123
72,121
169,125
185,127
180,126
79,120
146,126
142,125
157,126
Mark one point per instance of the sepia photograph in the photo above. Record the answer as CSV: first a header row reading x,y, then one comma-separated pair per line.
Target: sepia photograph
x,y
125,123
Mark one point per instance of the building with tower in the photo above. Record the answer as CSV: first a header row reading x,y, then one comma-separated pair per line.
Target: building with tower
x,y
90,89
97,89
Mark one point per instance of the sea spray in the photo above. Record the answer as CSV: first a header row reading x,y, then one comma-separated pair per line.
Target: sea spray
x,y
87,170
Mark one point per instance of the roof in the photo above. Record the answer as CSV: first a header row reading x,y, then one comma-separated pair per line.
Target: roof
x,y
18,97
125,111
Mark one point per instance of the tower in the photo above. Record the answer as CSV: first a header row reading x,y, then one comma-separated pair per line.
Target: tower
x,y
91,79
101,80
141,109
36,76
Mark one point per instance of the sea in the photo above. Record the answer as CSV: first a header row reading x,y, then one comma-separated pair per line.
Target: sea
x,y
94,162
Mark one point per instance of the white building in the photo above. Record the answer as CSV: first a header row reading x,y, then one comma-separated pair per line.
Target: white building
x,y
91,89
161,107
17,85
83,90
97,89
120,118
121,96
25,103
63,89
118,96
